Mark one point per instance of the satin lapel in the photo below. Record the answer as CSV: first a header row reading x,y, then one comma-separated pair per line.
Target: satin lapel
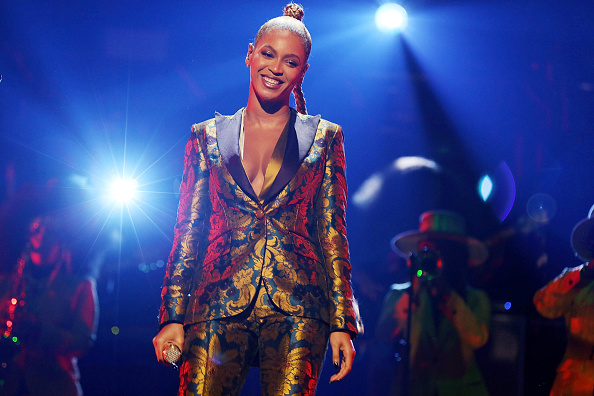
x,y
300,138
228,129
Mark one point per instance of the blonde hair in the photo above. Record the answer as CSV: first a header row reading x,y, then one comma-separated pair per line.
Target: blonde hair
x,y
291,21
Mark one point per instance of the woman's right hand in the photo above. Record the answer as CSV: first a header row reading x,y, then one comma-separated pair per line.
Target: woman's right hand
x,y
173,333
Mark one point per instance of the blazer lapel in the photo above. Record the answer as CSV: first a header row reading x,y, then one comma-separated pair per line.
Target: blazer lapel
x,y
228,129
301,134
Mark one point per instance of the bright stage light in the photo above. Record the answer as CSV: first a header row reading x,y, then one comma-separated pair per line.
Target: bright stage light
x,y
498,189
124,189
485,187
391,18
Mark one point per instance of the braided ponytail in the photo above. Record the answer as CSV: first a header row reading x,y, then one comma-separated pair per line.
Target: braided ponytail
x,y
296,11
299,99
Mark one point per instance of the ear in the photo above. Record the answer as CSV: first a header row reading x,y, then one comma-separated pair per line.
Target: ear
x,y
249,54
305,68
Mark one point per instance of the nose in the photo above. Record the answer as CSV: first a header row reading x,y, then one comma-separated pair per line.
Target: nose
x,y
276,68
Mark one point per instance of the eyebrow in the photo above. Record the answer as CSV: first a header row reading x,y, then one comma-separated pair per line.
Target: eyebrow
x,y
271,48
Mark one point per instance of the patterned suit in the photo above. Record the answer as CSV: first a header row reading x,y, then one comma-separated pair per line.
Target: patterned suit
x,y
292,240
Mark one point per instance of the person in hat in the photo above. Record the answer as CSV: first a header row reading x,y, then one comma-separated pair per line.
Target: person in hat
x,y
571,295
450,319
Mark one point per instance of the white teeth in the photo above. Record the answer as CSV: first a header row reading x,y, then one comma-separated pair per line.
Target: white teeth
x,y
270,80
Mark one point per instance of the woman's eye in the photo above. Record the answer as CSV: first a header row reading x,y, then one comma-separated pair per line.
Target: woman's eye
x,y
267,54
292,63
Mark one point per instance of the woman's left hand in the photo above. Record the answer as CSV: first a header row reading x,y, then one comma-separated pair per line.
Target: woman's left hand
x,y
340,341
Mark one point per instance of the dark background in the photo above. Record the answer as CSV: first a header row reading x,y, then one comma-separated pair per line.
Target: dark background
x,y
501,88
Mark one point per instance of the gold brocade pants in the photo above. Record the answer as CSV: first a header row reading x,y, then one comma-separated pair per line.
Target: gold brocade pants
x,y
289,351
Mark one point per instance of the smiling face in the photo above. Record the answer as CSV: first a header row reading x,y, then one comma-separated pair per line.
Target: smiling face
x,y
277,63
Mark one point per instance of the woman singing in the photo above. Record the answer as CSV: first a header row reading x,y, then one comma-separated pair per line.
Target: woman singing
x,y
259,272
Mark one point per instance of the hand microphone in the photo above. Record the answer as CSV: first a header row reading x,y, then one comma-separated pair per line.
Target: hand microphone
x,y
172,355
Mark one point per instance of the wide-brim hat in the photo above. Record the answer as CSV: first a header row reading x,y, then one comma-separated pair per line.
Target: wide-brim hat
x,y
440,225
582,237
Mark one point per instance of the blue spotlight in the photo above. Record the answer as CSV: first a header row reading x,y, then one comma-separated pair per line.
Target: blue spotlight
x,y
498,189
485,187
391,18
124,189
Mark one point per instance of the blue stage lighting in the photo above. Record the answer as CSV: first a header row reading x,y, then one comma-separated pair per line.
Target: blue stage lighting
x,y
124,189
391,18
485,187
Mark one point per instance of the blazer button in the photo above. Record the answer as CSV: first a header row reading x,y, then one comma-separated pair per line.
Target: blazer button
x,y
259,214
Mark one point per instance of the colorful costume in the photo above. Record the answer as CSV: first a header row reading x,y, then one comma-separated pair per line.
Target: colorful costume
x,y
289,244
571,296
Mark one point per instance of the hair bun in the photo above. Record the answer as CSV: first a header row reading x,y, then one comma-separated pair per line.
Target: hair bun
x,y
294,11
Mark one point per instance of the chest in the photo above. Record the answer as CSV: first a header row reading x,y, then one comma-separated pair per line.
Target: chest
x,y
258,147
228,174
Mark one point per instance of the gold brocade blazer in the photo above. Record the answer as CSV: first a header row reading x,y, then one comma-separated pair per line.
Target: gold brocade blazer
x,y
292,240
